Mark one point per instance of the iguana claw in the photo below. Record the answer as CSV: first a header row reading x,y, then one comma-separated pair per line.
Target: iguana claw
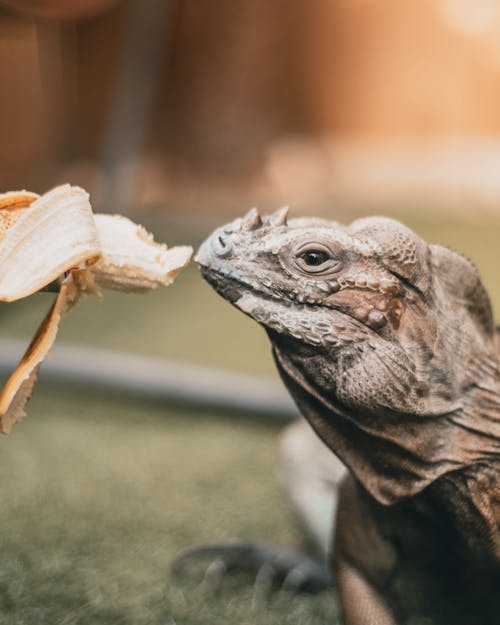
x,y
272,566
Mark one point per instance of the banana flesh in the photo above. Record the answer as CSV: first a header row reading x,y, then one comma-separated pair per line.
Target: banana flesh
x,y
57,237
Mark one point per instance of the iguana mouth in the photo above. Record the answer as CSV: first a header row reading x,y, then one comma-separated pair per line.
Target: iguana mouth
x,y
232,288
229,288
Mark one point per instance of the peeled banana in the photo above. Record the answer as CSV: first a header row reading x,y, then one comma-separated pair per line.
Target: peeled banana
x,y
56,238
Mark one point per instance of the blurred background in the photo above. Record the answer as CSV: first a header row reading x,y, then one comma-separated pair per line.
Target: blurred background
x,y
166,103
182,114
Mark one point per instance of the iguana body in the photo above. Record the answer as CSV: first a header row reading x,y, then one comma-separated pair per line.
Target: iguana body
x,y
388,347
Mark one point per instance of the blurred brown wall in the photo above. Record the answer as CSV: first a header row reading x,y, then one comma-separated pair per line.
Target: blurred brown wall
x,y
234,82
56,79
238,75
24,133
391,69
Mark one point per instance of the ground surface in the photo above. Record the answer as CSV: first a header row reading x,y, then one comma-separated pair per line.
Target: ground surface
x,y
98,494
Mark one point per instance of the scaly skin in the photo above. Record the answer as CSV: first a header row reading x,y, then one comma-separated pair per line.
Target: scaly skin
x,y
388,347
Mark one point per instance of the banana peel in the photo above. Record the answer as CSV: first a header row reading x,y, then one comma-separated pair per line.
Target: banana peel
x,y
57,239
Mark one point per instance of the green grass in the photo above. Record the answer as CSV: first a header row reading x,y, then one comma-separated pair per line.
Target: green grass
x,y
99,493
98,497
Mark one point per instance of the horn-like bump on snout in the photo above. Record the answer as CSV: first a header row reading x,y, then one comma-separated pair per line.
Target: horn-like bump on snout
x,y
279,217
252,220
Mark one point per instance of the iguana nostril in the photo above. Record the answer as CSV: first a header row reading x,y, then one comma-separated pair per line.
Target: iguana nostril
x,y
222,244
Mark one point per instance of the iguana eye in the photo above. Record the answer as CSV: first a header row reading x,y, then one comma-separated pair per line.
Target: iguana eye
x,y
315,258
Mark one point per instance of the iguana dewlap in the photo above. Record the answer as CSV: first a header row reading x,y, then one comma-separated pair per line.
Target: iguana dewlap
x,y
387,344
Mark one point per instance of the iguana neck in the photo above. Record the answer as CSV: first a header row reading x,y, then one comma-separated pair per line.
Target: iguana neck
x,y
393,456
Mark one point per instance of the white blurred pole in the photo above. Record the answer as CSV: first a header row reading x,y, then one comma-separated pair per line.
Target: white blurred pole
x,y
172,382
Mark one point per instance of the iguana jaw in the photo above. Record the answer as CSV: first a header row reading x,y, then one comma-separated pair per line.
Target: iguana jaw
x,y
232,287
326,327
229,288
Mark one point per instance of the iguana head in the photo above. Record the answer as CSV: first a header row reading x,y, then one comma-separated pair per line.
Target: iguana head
x,y
369,323
345,278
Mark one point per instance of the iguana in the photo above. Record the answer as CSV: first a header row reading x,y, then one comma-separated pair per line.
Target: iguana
x,y
388,347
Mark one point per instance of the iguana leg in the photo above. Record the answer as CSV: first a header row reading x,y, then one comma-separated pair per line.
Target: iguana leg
x,y
362,603
364,561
